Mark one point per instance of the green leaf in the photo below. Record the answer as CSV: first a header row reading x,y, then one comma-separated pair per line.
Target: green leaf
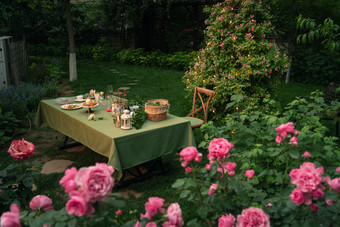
x,y
294,154
202,212
179,183
184,194
28,182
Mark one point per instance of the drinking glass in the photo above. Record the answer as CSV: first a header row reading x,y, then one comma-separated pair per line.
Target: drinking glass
x,y
96,96
109,91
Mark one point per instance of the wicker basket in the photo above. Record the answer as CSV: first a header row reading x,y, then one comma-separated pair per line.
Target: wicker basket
x,y
157,113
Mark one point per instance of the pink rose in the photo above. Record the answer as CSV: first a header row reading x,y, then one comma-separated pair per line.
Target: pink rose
x,y
118,212
11,218
314,207
329,202
297,196
338,169
288,128
174,213
152,207
41,202
21,149
307,178
95,182
138,224
188,169
335,184
318,193
189,154
151,224
269,205
68,180
226,220
231,166
249,173
208,167
294,140
278,139
92,91
306,154
219,149
253,216
212,189
78,206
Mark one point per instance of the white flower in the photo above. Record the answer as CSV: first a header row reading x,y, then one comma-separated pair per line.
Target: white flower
x,y
91,117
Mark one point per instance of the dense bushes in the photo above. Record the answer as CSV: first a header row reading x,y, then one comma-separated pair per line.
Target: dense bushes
x,y
238,57
105,52
312,65
18,103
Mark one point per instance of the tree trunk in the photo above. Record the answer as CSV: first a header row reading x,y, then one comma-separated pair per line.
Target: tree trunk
x,y
72,58
289,68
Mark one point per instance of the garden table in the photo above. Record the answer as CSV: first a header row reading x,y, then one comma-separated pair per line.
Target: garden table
x,y
123,148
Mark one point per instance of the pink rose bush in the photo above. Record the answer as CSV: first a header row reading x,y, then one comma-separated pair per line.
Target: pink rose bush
x,y
21,149
87,186
284,130
11,218
41,203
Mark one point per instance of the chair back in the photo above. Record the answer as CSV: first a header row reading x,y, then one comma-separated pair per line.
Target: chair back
x,y
209,94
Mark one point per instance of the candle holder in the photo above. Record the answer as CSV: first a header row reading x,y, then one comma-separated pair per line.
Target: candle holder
x,y
126,120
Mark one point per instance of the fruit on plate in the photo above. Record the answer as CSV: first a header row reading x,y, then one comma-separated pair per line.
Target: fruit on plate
x,y
91,104
71,106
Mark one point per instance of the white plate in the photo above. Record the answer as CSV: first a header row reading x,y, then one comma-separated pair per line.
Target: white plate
x,y
79,100
82,105
65,107
63,100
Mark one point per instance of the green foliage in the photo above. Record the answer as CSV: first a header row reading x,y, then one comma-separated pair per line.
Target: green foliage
x,y
17,183
328,33
177,60
253,135
138,118
8,125
238,57
312,65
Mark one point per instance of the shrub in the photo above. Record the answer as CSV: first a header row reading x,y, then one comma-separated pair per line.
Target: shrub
x,y
312,65
8,125
238,57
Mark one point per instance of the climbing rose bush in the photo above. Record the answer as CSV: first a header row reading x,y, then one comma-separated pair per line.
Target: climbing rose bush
x,y
21,149
238,56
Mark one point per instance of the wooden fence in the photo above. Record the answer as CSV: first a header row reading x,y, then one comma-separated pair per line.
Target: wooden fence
x,y
18,60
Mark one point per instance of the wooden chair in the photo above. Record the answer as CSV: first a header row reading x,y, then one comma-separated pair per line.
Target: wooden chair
x,y
208,95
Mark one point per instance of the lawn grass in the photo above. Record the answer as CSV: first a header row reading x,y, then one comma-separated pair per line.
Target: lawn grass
x,y
150,83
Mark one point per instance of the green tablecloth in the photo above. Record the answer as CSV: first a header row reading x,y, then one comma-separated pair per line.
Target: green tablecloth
x,y
124,148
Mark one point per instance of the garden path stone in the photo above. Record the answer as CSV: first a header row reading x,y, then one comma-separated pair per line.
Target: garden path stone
x,y
132,84
55,166
124,88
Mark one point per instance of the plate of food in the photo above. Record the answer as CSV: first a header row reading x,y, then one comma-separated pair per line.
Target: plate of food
x,y
91,105
71,106
64,100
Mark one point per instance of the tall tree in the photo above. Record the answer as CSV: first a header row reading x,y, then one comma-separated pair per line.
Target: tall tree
x,y
72,57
